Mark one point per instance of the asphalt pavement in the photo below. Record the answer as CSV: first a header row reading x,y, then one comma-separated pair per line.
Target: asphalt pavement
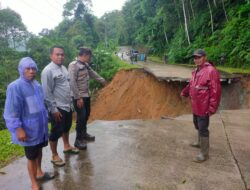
x,y
149,155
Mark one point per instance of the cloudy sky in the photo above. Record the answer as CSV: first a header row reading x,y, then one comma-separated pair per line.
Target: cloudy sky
x,y
39,14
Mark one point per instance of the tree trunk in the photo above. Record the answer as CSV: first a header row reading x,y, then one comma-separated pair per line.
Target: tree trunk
x,y
105,32
192,9
185,19
166,37
215,4
13,38
211,16
188,14
178,13
225,12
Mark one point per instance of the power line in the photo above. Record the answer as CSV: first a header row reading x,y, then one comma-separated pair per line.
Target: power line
x,y
39,11
58,3
51,5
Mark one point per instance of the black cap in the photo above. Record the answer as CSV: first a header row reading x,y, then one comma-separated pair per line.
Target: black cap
x,y
199,53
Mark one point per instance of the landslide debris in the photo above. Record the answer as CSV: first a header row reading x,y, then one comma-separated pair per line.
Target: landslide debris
x,y
135,94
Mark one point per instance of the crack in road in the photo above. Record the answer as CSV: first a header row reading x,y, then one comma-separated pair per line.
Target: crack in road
x,y
231,150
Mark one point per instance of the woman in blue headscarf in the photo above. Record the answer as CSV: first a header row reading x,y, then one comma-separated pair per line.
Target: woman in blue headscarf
x,y
26,118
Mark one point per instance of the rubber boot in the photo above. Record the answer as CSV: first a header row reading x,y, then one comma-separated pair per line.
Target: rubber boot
x,y
196,144
86,136
204,151
79,142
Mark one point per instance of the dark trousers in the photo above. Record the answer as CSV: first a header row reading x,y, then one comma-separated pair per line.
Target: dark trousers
x,y
201,124
82,117
58,128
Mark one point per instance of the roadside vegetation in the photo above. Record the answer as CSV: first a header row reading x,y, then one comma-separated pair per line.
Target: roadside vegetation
x,y
231,70
159,28
155,59
8,150
234,70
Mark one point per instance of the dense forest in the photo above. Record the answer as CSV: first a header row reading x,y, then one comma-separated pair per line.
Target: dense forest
x,y
169,28
176,27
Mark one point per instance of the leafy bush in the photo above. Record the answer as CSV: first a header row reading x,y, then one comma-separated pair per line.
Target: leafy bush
x,y
9,60
106,64
2,101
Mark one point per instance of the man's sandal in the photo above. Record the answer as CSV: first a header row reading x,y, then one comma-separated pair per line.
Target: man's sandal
x,y
71,151
58,162
46,177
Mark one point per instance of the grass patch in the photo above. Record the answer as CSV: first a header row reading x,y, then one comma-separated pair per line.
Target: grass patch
x,y
123,64
234,70
221,68
224,69
155,59
8,150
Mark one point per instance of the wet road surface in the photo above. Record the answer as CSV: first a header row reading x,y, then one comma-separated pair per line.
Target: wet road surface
x,y
150,155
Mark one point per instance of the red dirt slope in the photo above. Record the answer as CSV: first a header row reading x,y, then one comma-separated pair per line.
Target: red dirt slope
x,y
135,94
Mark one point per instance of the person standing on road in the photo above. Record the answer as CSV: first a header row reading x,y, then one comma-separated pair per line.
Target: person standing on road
x,y
122,56
80,72
26,118
204,90
55,83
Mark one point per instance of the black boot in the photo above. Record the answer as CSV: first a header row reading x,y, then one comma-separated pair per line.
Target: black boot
x,y
79,142
88,137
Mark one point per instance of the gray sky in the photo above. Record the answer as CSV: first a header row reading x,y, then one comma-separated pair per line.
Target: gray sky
x,y
39,14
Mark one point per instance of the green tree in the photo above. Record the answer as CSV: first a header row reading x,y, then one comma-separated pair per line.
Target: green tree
x,y
12,30
13,34
77,8
109,26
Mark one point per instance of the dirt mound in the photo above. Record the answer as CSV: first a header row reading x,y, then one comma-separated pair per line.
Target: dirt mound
x,y
135,94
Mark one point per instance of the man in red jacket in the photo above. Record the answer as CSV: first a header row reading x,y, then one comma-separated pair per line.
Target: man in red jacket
x,y
204,90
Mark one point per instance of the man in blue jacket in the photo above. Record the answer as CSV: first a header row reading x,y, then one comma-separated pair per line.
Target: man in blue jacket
x,y
26,118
